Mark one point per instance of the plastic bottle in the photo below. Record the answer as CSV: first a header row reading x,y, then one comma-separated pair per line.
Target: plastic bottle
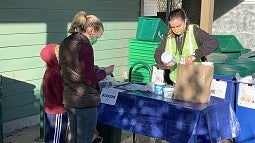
x,y
182,60
167,57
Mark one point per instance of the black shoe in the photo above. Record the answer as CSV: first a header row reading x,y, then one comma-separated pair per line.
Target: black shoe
x,y
98,140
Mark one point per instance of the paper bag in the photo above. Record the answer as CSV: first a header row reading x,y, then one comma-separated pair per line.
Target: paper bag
x,y
193,83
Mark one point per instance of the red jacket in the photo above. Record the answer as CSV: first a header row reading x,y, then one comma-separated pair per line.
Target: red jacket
x,y
52,82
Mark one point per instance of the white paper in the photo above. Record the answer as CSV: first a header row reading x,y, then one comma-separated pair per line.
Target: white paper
x,y
157,75
218,88
246,96
109,95
150,8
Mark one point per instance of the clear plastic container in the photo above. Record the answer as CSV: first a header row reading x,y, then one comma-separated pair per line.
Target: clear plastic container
x,y
167,57
182,60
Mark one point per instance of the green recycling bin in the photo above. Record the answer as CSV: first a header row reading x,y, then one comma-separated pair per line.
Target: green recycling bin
x,y
151,29
1,117
41,115
228,44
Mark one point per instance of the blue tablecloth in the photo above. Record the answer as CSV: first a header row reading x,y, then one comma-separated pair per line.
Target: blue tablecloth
x,y
171,120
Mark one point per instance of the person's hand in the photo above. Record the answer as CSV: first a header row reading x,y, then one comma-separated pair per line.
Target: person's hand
x,y
109,70
169,64
190,59
96,67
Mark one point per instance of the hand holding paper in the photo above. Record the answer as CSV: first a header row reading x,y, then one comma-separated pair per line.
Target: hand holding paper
x,y
109,69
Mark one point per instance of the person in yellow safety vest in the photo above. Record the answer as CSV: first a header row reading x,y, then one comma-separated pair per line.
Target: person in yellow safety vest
x,y
186,42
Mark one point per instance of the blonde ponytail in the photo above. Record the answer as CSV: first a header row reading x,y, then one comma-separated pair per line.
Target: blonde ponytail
x,y
82,21
78,23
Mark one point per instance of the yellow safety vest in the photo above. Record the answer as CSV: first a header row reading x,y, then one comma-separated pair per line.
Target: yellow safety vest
x,y
189,48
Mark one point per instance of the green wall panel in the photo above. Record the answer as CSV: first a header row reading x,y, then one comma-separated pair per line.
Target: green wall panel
x,y
40,15
20,52
29,39
23,75
89,5
110,44
24,27
27,26
20,64
109,54
8,28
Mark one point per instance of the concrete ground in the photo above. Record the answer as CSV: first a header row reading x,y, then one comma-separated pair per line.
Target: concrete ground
x,y
31,134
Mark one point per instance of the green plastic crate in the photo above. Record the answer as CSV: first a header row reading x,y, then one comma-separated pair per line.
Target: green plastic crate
x,y
229,70
245,63
232,55
151,29
141,51
228,43
245,51
249,55
1,117
143,43
140,74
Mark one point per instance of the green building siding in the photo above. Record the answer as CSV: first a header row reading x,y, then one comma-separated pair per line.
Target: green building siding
x,y
27,26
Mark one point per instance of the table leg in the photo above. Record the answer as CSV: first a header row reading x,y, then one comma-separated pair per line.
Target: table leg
x,y
133,137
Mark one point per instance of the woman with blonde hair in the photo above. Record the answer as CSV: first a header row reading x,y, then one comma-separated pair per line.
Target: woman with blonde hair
x,y
81,76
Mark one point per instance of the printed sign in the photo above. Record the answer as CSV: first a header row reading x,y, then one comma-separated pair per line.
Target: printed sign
x,y
218,88
109,95
246,95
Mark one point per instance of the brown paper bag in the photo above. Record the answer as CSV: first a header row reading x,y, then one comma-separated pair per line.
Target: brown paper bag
x,y
193,83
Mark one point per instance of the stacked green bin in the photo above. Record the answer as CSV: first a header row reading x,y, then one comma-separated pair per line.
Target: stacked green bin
x,y
228,44
238,60
1,118
142,51
41,138
150,29
231,49
149,34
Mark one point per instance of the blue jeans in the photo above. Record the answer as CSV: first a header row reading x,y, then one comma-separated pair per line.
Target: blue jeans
x,y
82,124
